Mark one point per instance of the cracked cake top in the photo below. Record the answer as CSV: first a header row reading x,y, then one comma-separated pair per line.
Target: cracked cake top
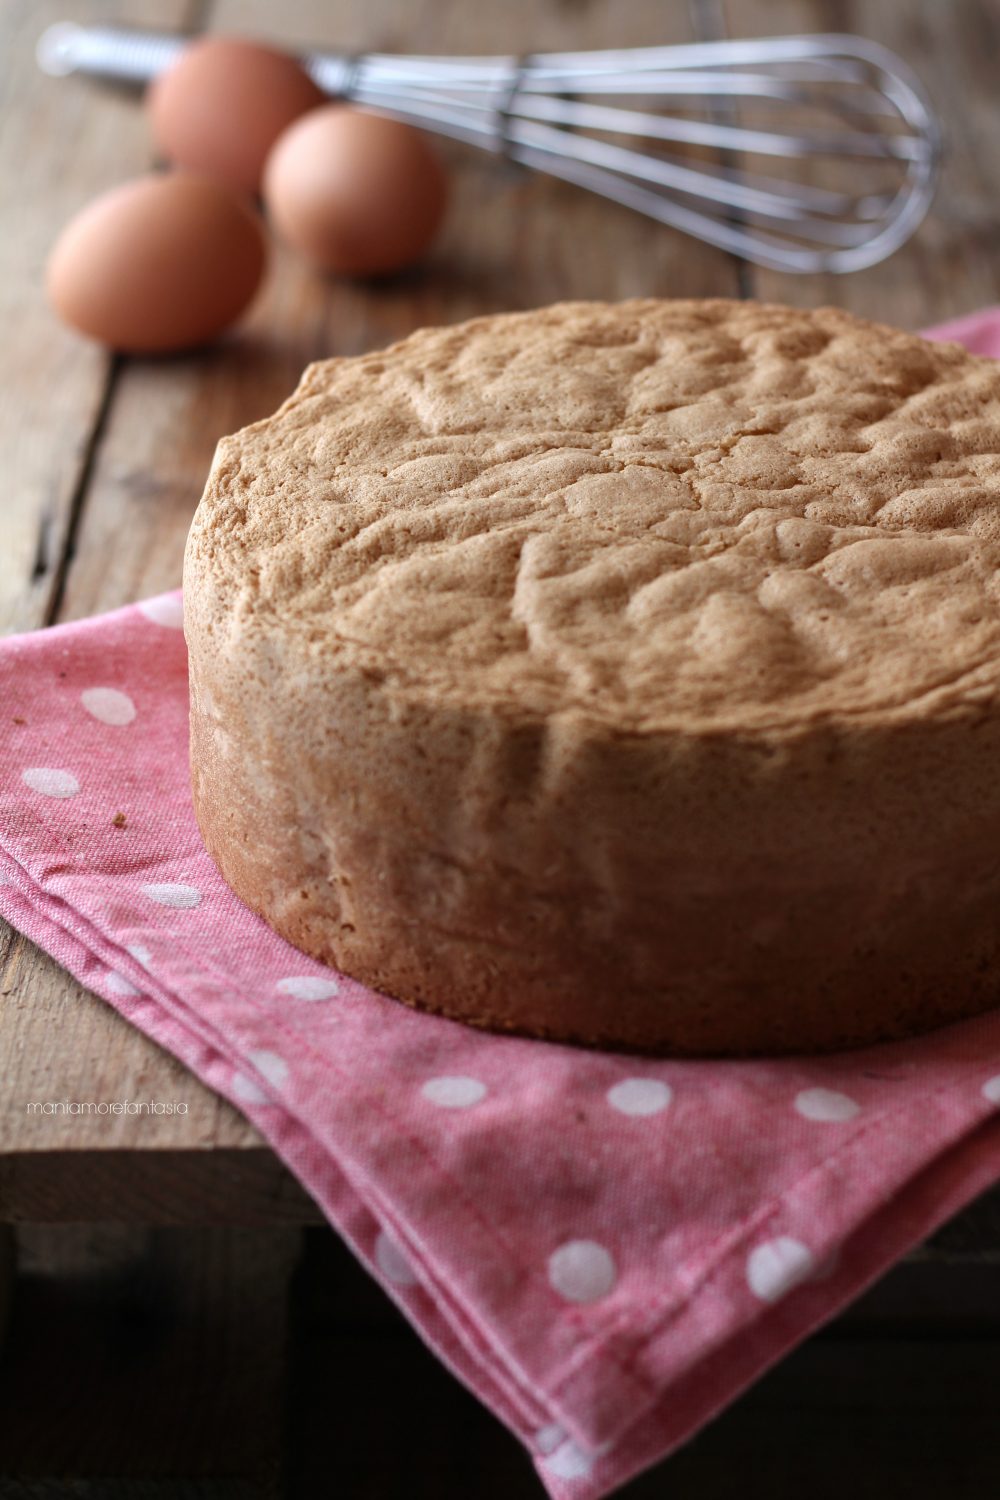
x,y
704,514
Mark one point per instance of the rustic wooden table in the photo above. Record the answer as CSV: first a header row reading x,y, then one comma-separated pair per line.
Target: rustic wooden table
x,y
104,459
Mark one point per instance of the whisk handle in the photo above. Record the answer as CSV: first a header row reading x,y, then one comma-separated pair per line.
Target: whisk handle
x,y
118,54
114,53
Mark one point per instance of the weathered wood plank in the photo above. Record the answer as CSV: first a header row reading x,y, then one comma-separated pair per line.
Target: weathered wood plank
x,y
61,141
58,1043
55,1048
59,145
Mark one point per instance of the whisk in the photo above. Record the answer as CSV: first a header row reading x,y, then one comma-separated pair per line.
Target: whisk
x,y
676,132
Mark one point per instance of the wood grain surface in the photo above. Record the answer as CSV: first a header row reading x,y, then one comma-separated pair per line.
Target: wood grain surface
x,y
104,459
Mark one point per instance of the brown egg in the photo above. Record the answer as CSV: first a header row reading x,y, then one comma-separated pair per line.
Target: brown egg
x,y
161,263
223,104
356,193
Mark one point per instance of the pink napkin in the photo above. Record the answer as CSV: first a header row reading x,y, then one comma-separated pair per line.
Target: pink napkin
x,y
607,1249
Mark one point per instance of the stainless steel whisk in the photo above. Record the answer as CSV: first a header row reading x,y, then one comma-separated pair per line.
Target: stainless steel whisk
x,y
844,108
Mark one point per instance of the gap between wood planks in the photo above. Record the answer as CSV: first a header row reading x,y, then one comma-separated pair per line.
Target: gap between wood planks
x,y
78,497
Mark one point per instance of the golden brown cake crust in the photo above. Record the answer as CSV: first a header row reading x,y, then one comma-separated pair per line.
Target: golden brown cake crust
x,y
622,672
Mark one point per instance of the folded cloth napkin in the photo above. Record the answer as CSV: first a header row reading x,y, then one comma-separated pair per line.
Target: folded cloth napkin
x,y
607,1249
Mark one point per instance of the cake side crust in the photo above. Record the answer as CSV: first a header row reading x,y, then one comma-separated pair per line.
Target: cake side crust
x,y
732,792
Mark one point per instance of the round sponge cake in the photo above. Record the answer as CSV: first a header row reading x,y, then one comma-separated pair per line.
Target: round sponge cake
x,y
626,674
